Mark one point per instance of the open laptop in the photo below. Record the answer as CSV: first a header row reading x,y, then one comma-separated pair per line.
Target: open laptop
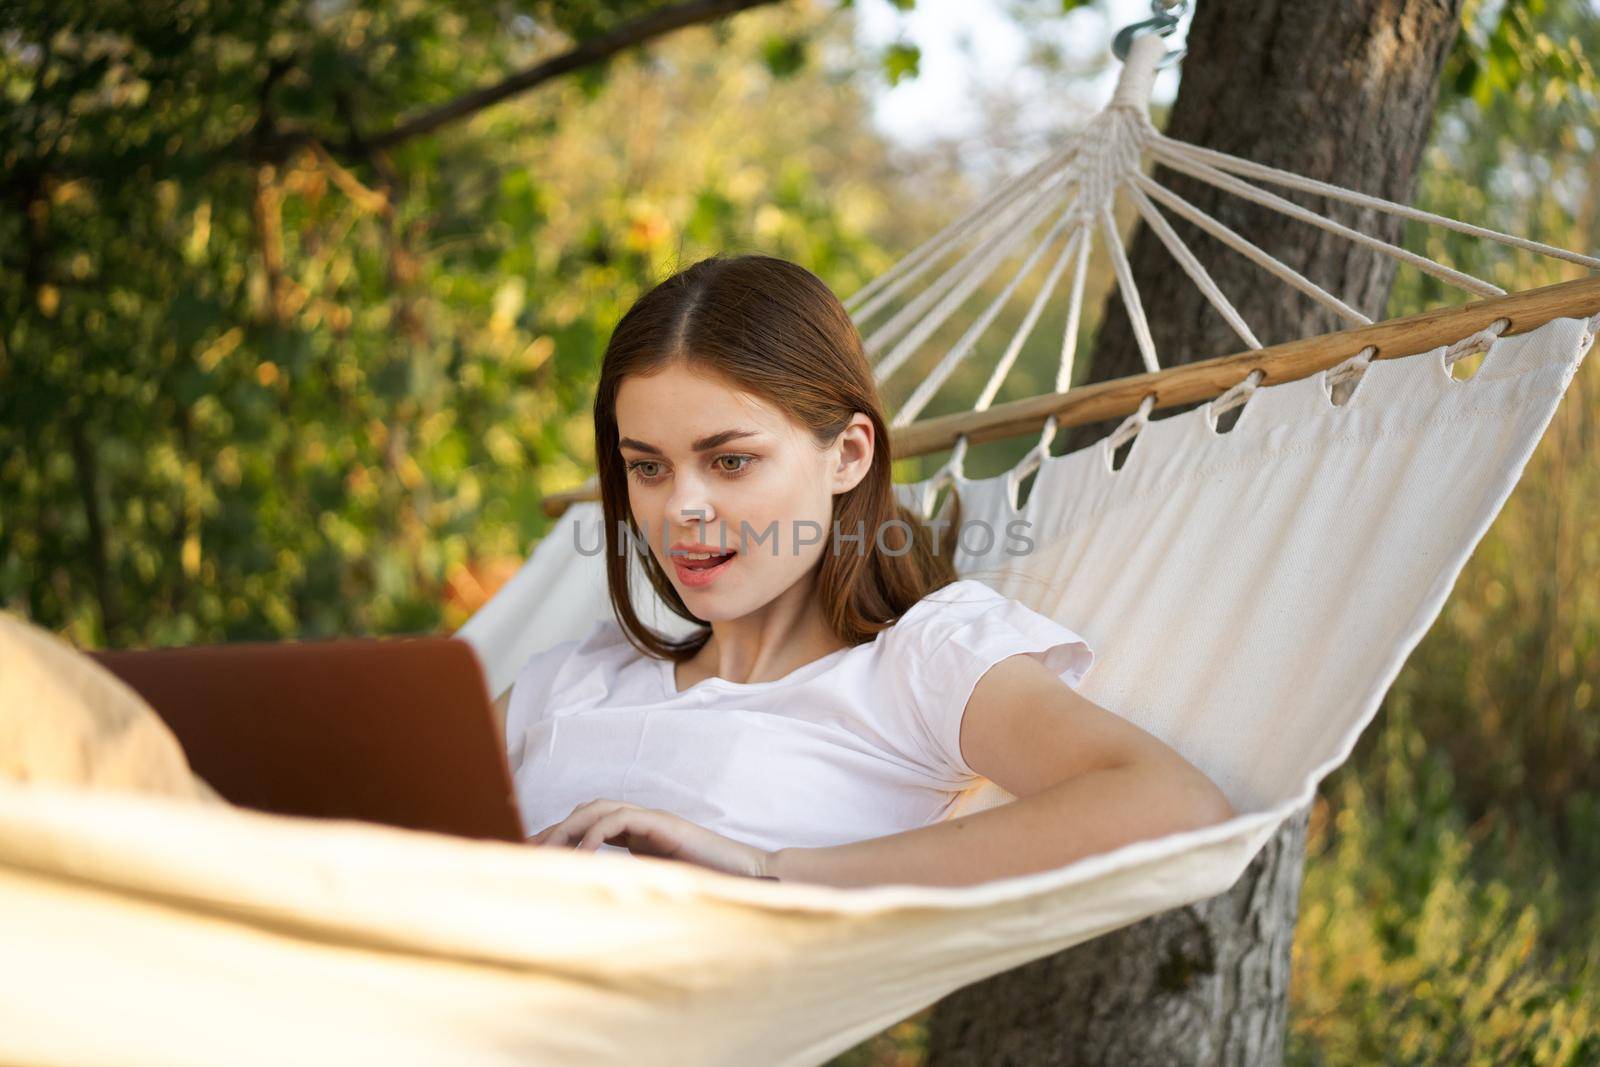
x,y
391,730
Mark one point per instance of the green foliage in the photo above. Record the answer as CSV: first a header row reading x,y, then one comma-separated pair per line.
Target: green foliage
x,y
1506,680
901,60
261,383
583,19
1425,939
784,56
1522,47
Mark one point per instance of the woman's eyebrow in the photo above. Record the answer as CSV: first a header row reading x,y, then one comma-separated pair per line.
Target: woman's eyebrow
x,y
705,444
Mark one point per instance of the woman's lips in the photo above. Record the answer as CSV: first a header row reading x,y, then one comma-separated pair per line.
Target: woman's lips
x,y
699,577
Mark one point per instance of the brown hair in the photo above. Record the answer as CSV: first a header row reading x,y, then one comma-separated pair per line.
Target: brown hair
x,y
776,331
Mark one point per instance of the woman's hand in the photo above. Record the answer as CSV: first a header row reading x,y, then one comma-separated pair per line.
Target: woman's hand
x,y
650,832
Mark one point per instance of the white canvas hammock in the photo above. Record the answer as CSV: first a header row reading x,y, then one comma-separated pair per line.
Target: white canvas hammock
x,y
1251,595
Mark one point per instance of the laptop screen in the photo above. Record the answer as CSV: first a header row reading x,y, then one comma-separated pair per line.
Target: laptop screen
x,y
397,731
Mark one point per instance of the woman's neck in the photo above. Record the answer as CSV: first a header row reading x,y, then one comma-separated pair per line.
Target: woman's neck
x,y
785,634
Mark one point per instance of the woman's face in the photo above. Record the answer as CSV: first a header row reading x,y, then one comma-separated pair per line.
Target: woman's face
x,y
709,464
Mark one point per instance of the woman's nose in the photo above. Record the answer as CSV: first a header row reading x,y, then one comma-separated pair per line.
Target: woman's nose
x,y
690,503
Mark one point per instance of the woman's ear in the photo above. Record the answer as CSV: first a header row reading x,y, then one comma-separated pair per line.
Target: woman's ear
x,y
856,445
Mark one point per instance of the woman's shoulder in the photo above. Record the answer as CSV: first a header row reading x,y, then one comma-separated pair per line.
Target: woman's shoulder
x,y
598,652
923,626
942,645
970,618
965,591
604,634
958,599
602,638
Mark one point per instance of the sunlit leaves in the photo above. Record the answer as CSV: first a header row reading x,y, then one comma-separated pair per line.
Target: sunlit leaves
x,y
1507,48
901,60
784,55
325,397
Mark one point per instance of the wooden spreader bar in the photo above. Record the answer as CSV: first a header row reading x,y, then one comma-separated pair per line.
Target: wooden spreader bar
x,y
1210,378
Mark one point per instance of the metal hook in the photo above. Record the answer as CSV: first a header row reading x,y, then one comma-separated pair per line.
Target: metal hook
x,y
1163,21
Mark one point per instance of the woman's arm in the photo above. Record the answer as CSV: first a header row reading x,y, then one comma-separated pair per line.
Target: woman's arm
x,y
1086,781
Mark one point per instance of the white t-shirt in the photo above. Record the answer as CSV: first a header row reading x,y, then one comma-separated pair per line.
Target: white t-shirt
x,y
860,743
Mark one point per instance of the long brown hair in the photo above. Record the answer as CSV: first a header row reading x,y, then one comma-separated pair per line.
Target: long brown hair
x,y
776,331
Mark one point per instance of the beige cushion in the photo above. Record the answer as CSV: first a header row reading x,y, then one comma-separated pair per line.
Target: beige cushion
x,y
66,720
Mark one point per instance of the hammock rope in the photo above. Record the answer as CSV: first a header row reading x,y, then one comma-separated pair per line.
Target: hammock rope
x,y
958,352
1069,349
1191,266
951,289
1102,160
925,255
1250,250
1225,162
1075,188
992,386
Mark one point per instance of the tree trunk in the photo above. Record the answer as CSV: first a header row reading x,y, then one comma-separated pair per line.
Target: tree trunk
x,y
1197,985
1344,91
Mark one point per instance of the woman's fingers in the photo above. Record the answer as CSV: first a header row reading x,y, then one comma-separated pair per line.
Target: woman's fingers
x,y
651,832
605,828
645,831
572,830
557,832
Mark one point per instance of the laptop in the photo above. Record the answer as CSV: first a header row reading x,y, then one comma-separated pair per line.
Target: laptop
x,y
399,731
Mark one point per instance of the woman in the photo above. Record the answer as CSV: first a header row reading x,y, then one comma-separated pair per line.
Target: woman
x,y
845,687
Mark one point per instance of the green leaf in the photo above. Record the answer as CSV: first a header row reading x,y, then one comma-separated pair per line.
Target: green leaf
x,y
784,56
901,61
591,80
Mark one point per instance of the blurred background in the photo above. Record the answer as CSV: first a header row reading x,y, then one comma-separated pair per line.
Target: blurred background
x,y
253,387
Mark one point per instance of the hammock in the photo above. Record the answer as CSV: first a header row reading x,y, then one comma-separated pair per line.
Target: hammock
x,y
1253,594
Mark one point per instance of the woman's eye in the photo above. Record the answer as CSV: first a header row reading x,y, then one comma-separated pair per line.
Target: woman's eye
x,y
648,477
744,462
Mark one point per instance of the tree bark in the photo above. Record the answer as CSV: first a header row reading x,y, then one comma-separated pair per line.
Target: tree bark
x,y
267,144
1203,984
1343,91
